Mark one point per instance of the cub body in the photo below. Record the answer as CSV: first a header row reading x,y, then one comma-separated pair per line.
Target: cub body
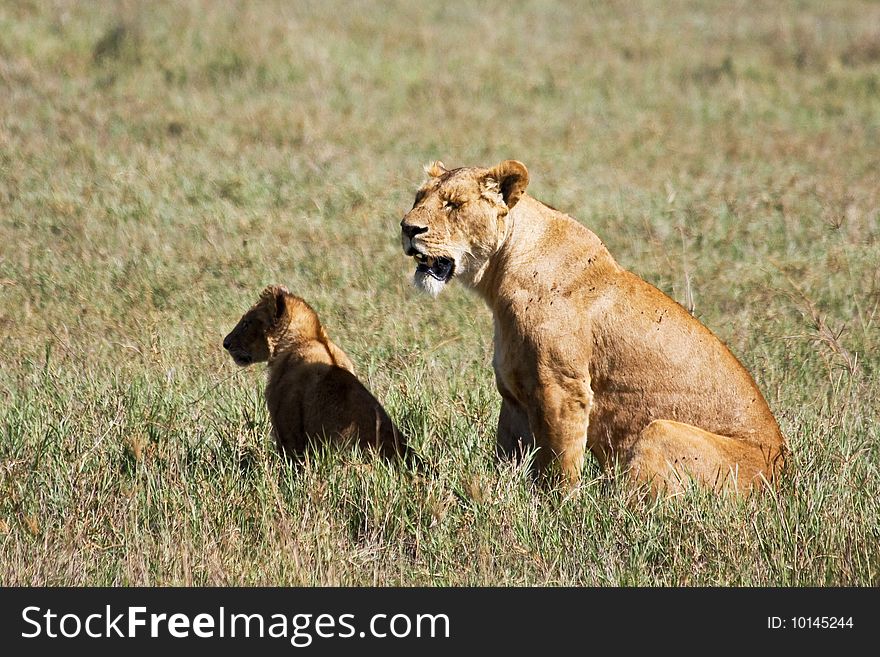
x,y
312,392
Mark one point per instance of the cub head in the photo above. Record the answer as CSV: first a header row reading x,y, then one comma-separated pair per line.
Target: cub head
x,y
459,220
276,318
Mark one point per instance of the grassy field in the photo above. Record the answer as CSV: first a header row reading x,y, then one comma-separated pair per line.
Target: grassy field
x,y
161,162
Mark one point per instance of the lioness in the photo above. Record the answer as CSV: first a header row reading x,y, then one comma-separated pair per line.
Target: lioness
x,y
312,392
587,354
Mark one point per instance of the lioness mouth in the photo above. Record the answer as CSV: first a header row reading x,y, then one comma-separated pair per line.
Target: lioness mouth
x,y
440,268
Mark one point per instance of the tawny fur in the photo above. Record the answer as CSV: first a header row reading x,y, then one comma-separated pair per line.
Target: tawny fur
x,y
587,354
312,392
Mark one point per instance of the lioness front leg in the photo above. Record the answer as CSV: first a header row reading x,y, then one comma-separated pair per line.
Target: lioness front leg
x,y
559,421
514,437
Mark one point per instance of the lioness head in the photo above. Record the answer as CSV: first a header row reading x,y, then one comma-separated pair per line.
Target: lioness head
x,y
459,220
277,316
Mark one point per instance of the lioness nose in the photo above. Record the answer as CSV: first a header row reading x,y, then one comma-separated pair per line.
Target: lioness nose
x,y
411,231
226,342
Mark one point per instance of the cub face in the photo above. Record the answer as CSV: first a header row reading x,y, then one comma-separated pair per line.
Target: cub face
x,y
250,341
459,220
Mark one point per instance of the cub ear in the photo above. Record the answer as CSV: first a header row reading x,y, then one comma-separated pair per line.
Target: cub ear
x,y
281,293
276,297
435,169
512,178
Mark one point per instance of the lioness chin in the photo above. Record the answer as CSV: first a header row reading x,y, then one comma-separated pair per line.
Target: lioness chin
x,y
312,392
587,354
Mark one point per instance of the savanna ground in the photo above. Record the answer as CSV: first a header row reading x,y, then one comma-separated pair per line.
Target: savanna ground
x,y
161,162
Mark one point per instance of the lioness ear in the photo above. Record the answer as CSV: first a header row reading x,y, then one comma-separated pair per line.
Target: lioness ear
x,y
435,169
512,178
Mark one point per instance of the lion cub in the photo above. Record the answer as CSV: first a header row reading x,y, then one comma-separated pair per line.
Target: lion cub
x,y
312,392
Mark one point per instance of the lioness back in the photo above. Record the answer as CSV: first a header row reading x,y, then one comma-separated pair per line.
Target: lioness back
x,y
654,360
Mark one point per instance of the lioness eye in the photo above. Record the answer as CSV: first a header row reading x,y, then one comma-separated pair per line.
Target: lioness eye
x,y
419,196
452,205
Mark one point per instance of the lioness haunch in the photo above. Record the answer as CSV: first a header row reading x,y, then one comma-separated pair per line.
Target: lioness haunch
x,y
587,354
312,392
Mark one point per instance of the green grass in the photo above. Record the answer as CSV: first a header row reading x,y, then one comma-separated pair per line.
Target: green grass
x,y
161,162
